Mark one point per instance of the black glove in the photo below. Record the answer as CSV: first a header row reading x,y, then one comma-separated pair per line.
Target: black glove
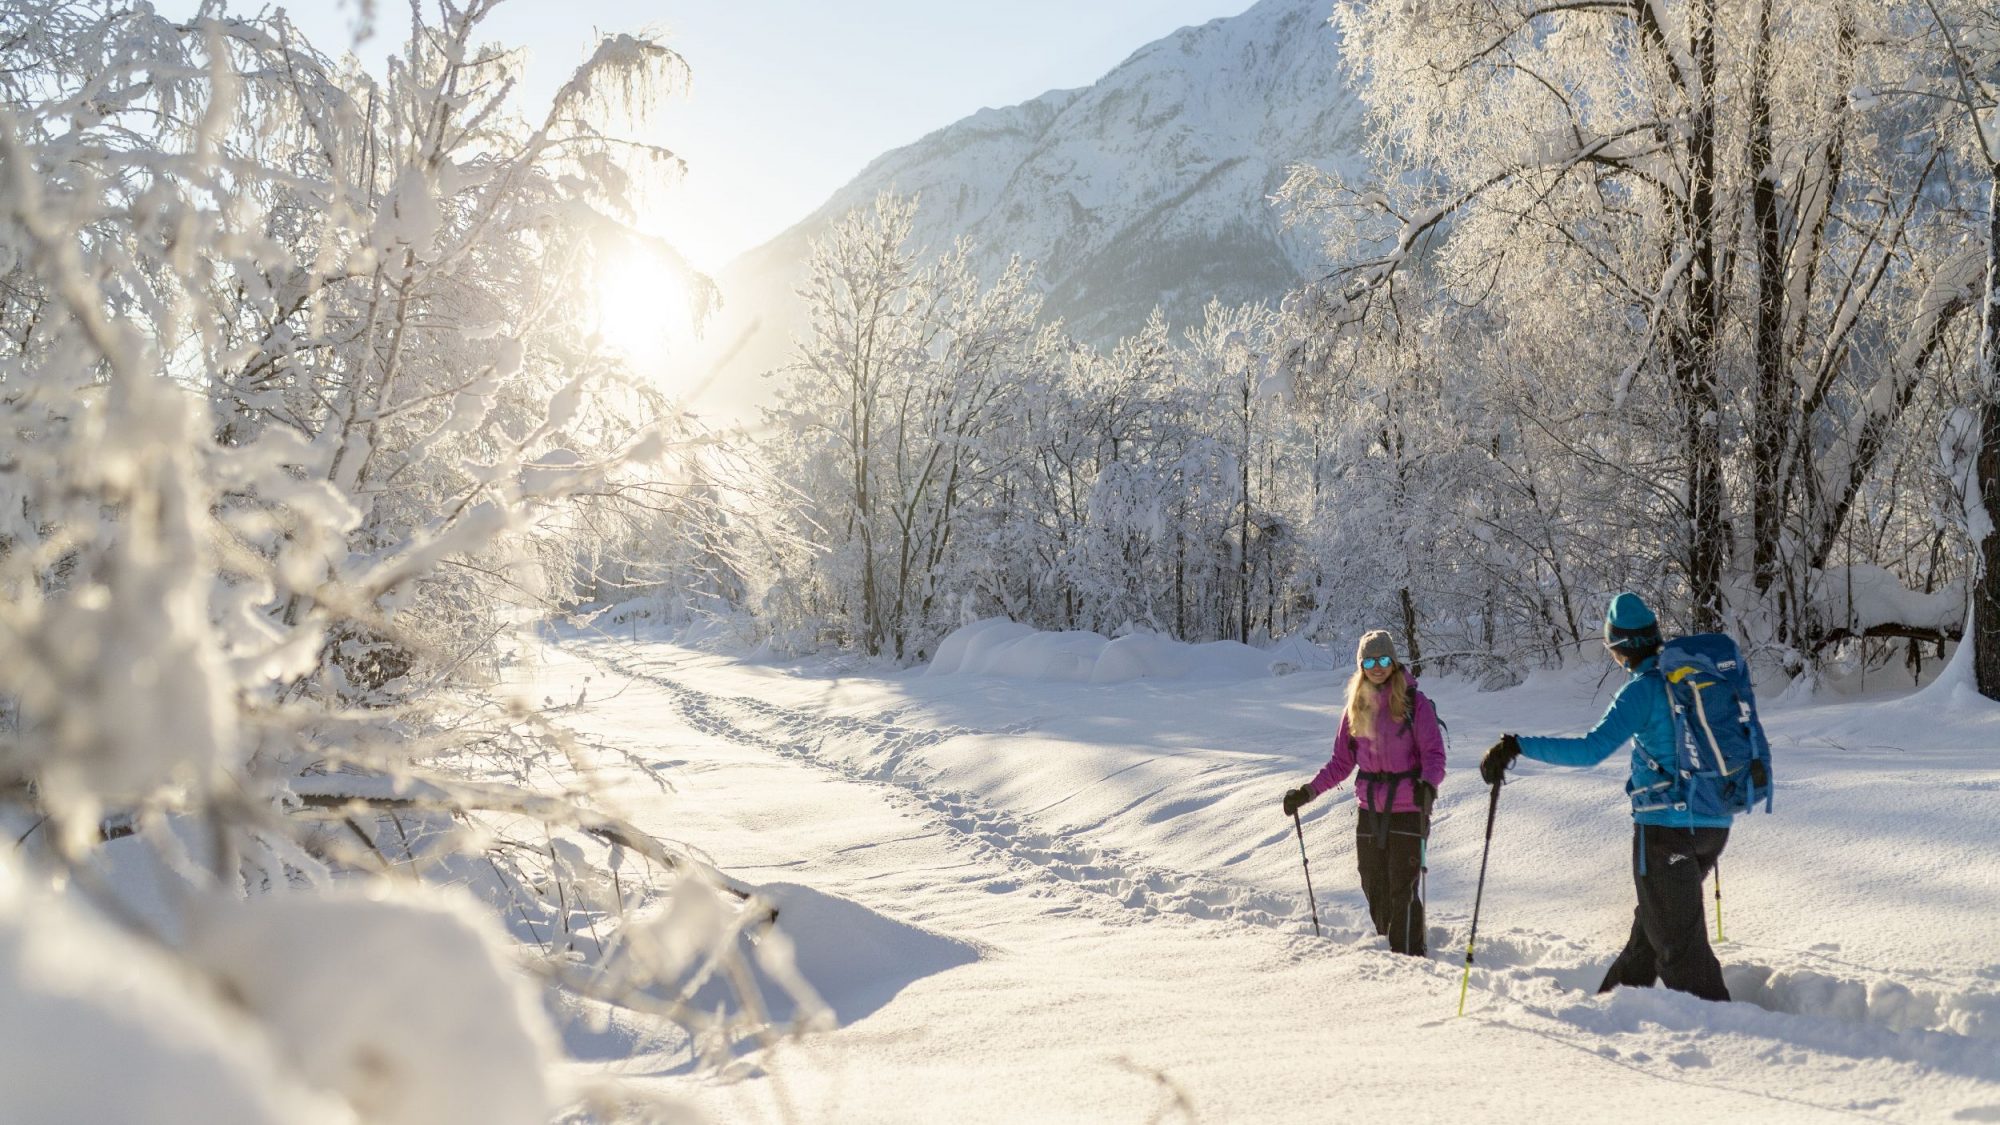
x,y
1493,767
1426,793
1295,799
1760,775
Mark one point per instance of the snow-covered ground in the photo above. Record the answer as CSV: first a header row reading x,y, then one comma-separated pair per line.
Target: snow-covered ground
x,y
1051,899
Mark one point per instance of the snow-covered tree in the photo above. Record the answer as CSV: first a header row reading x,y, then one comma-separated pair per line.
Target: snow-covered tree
x,y
293,378
910,368
1729,285
1967,82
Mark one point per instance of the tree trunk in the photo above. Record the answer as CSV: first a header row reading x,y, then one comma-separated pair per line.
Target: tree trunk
x,y
1771,413
1701,402
1243,527
1986,473
1410,633
1691,343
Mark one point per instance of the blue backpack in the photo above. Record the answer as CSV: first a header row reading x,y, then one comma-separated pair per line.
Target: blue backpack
x,y
1722,759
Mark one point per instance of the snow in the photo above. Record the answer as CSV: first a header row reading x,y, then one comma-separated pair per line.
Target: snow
x,y
410,216
862,958
1029,896
451,1035
400,1003
1006,889
1865,596
1958,456
999,647
98,1027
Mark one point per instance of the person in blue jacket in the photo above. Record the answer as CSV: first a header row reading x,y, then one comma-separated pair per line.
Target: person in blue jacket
x,y
1673,850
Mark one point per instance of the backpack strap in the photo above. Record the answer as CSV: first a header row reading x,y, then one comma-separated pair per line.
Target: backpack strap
x,y
1417,768
1677,794
1377,781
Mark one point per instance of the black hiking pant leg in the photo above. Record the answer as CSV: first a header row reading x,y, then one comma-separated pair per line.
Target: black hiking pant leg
x,y
1669,939
1635,966
1390,863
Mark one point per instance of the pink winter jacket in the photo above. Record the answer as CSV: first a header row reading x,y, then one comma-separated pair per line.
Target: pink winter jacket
x,y
1396,750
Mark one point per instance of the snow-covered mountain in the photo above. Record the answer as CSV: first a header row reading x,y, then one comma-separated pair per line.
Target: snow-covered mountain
x,y
1147,188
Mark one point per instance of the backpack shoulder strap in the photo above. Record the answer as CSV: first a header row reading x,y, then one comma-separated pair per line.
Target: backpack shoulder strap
x,y
1416,697
1435,713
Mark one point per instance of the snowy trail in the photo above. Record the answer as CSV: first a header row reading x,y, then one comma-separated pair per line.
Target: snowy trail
x,y
1120,964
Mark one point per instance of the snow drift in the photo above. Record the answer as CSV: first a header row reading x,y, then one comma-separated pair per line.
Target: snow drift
x,y
999,647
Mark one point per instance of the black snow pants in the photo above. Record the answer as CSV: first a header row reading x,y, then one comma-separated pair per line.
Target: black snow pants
x,y
1390,858
1669,942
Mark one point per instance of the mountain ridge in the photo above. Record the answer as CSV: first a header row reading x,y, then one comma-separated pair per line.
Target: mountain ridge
x,y
1149,187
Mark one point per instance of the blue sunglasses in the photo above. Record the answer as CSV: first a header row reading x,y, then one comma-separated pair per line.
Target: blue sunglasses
x,y
1378,662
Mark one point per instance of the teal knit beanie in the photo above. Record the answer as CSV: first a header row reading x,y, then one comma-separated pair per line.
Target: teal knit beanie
x,y
1630,624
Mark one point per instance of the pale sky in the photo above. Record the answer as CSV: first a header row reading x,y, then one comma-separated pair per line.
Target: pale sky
x,y
791,97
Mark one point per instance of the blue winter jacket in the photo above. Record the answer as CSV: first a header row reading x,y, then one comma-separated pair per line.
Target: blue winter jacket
x,y
1640,715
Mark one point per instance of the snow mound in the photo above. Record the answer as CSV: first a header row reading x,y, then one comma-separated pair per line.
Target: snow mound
x,y
1141,656
980,636
96,1027
856,959
1067,657
999,647
824,955
404,1005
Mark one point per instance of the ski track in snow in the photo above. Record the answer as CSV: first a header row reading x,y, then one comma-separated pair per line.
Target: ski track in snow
x,y
1808,1002
802,736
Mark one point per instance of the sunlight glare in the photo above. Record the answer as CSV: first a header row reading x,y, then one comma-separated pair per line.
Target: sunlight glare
x,y
644,311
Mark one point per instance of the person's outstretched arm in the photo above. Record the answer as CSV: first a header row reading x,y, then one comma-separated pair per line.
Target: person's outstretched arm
x,y
1625,717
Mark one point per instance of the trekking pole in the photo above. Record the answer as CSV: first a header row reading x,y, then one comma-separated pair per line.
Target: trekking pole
x,y
1718,900
1492,806
1423,866
1309,870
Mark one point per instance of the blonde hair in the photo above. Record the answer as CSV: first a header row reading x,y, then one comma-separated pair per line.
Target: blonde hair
x,y
1364,701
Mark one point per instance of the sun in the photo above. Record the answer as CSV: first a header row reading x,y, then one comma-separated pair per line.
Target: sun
x,y
645,310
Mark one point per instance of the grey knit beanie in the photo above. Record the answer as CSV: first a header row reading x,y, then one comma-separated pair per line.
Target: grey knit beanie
x,y
1376,642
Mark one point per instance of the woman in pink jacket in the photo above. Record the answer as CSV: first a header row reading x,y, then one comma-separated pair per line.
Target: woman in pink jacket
x,y
1390,734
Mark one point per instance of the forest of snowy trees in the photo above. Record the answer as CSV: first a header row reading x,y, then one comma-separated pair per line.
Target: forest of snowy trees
x,y
1691,299
304,417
